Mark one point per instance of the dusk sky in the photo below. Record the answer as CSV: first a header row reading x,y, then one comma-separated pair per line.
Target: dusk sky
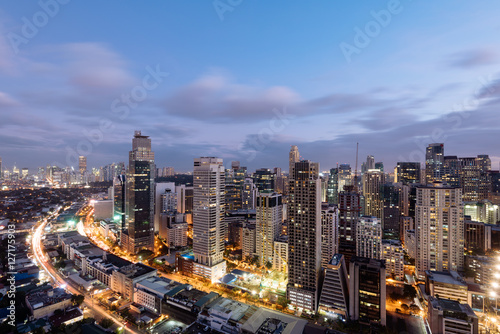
x,y
244,80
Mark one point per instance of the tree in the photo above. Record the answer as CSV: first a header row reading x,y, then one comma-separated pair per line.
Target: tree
x,y
282,301
106,323
409,291
269,265
77,299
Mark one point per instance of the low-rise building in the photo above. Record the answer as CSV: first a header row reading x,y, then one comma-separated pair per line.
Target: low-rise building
x,y
124,280
44,303
265,321
150,292
446,285
449,316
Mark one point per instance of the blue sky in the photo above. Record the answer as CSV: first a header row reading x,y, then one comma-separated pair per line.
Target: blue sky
x,y
247,79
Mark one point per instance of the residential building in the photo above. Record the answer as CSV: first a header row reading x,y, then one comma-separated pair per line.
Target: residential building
x,y
329,232
369,237
269,216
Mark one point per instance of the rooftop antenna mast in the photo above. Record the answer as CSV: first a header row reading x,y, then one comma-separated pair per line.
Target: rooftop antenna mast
x,y
356,170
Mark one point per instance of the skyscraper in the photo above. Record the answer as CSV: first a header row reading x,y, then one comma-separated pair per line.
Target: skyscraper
x,y
439,225
208,218
407,172
140,196
304,236
119,194
264,180
82,167
370,162
293,157
329,232
332,192
373,179
349,212
434,158
269,216
369,237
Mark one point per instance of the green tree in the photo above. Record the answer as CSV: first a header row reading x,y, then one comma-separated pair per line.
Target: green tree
x,y
282,301
409,291
106,323
269,265
77,299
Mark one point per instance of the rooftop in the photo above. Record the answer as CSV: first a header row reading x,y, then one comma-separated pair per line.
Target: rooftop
x,y
445,277
262,316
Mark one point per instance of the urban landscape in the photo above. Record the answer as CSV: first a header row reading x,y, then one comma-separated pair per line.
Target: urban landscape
x,y
255,179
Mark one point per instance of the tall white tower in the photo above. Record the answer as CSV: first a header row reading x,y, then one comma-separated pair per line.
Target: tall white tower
x,y
269,216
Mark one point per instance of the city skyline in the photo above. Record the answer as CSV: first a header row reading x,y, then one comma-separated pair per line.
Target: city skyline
x,y
70,92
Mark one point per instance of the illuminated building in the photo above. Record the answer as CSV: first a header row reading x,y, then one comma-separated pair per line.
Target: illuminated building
x,y
434,158
393,254
208,218
329,232
264,180
269,216
407,172
332,192
334,298
349,212
369,237
304,236
439,225
140,196
82,167
235,179
373,179
447,316
293,157
367,290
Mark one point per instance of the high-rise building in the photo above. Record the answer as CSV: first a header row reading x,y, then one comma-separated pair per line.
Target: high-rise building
x,y
369,237
407,172
391,205
451,171
208,218
119,205
24,173
349,212
434,158
235,178
373,179
82,167
370,162
249,195
367,290
304,236
344,176
329,232
332,192
335,292
264,180
269,216
439,225
393,254
140,196
293,157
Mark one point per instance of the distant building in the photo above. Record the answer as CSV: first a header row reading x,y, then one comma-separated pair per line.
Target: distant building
x,y
369,237
367,290
407,172
434,158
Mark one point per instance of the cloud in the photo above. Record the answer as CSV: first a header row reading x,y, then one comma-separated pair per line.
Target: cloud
x,y
473,58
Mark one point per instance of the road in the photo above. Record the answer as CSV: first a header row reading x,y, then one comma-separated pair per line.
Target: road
x,y
58,279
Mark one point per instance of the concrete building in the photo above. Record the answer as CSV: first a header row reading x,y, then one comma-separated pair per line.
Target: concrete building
x,y
393,254
434,158
280,257
103,209
151,292
447,316
43,303
209,227
265,321
334,300
367,290
482,211
248,237
439,226
123,281
329,232
369,237
269,217
349,212
447,285
304,236
407,172
373,179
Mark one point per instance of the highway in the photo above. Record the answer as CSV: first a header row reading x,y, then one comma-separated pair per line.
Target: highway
x,y
59,280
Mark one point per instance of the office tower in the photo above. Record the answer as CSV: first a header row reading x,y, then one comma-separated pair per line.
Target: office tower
x,y
370,162
208,218
451,171
485,186
373,179
140,196
82,167
344,176
439,225
24,173
304,236
434,155
263,179
369,237
349,212
475,178
367,290
279,184
119,205
329,232
335,292
269,216
235,178
293,157
249,195
392,199
333,186
407,172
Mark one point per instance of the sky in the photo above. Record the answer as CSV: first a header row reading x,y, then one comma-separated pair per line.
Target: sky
x,y
243,80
